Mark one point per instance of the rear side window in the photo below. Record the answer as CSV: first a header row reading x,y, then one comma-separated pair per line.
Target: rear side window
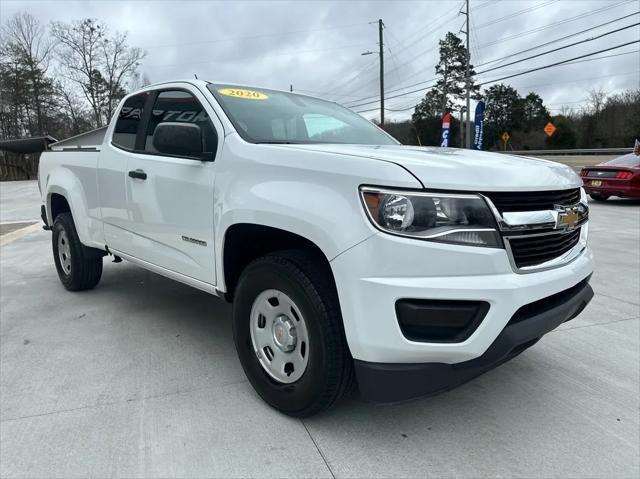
x,y
129,118
180,106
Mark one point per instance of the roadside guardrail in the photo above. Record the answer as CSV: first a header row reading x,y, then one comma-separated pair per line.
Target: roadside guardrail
x,y
573,152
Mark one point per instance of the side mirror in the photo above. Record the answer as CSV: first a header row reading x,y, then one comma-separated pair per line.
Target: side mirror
x,y
180,139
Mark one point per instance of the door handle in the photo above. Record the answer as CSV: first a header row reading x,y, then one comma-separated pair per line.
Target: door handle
x,y
139,174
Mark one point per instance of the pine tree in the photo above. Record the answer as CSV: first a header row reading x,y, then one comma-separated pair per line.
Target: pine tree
x,y
449,90
502,107
534,115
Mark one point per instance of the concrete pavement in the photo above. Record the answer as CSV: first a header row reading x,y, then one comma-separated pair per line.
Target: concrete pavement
x,y
139,378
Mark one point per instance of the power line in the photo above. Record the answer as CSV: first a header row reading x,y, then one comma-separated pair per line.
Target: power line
x,y
558,39
432,29
515,14
397,66
486,4
584,79
392,57
390,97
429,86
603,56
351,79
262,35
476,41
590,60
529,49
555,24
173,65
580,59
398,89
401,45
386,109
357,103
590,39
560,62
431,32
413,105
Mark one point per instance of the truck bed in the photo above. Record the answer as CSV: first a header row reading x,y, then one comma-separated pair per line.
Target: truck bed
x,y
90,140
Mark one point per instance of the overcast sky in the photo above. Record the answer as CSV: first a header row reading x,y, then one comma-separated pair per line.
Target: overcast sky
x,y
317,46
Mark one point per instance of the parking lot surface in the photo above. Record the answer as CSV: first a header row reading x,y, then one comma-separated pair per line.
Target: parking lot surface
x,y
139,378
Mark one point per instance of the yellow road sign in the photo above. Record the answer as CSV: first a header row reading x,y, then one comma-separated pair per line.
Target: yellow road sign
x,y
505,137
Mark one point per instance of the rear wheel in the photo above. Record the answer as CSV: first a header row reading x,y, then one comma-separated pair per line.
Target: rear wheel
x,y
288,333
78,267
599,197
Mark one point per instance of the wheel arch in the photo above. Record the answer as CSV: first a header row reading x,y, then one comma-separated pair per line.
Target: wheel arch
x,y
57,203
244,242
65,193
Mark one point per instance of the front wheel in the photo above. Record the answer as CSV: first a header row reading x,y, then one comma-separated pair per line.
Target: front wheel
x,y
288,333
78,267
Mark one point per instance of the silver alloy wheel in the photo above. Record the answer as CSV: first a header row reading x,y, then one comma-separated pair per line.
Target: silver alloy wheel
x,y
64,252
279,336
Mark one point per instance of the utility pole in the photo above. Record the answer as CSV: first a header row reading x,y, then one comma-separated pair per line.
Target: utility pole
x,y
381,53
380,27
468,125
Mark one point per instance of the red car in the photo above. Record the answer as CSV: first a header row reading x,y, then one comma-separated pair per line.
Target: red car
x,y
618,177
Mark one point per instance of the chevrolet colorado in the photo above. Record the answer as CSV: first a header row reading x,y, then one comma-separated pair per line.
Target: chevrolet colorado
x,y
347,256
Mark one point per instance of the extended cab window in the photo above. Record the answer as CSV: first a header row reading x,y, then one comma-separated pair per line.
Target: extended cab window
x,y
182,107
129,118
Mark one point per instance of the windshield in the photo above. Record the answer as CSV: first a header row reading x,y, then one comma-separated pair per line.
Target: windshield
x,y
270,116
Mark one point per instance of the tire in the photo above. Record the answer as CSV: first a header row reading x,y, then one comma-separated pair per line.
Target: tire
x,y
79,268
328,371
597,197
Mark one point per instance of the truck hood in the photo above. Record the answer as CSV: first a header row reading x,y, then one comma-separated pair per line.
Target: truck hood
x,y
459,169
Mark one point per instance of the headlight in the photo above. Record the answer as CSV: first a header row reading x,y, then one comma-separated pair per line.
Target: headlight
x,y
444,217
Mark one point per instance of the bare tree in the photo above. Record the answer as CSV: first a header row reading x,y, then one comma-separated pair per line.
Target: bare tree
x,y
120,63
73,104
140,81
597,98
26,45
100,64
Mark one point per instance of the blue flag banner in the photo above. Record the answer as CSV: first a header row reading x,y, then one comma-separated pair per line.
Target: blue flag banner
x,y
444,138
479,124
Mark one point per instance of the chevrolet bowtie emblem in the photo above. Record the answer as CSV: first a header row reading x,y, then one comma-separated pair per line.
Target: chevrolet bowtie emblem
x,y
567,219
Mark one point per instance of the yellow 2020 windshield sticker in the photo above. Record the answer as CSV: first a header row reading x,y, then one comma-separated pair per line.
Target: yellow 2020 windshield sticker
x,y
241,93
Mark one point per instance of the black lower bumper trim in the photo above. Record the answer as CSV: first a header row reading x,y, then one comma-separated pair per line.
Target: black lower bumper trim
x,y
389,383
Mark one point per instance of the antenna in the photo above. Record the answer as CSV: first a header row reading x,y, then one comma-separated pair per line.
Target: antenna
x,y
195,76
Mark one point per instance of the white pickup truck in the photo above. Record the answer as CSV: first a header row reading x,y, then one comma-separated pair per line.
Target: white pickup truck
x,y
348,257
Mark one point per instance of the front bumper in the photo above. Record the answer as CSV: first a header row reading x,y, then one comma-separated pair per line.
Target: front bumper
x,y
373,275
388,383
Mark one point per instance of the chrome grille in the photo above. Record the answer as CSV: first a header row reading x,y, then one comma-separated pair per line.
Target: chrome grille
x,y
541,229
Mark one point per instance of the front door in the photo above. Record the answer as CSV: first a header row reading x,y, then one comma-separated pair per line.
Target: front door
x,y
170,198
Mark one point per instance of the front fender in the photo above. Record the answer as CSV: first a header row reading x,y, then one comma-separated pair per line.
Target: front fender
x,y
314,195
